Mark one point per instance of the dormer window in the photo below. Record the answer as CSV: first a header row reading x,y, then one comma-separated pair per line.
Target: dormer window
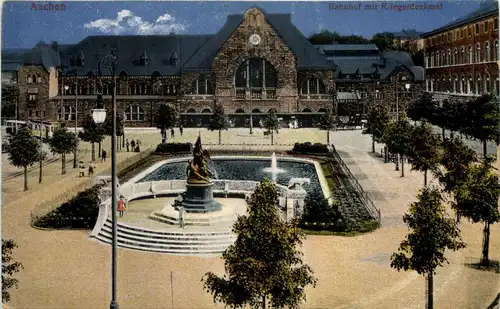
x,y
144,60
174,59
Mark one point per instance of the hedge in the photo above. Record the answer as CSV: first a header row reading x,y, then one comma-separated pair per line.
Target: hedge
x,y
307,147
174,147
80,212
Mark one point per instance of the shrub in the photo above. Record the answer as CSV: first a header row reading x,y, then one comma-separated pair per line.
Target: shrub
x,y
80,212
307,147
174,147
319,214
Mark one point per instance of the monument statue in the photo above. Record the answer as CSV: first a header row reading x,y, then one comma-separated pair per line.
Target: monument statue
x,y
198,196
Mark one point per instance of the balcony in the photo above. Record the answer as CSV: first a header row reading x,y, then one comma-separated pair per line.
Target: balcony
x,y
255,94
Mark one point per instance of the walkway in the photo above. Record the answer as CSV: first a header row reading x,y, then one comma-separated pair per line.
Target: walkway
x,y
64,269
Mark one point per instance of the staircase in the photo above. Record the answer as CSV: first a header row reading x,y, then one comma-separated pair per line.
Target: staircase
x,y
176,243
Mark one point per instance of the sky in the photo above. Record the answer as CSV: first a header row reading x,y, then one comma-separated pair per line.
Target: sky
x,y
24,24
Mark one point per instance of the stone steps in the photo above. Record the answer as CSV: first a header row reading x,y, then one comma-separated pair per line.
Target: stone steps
x,y
177,243
220,221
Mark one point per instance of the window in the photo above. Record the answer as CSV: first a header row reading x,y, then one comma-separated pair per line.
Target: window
x,y
463,56
478,53
456,86
455,58
478,84
135,113
463,85
487,83
449,36
495,24
38,79
486,26
432,60
256,72
497,86
29,79
449,60
496,51
486,51
469,84
313,86
201,86
469,31
32,97
470,59
68,113
477,28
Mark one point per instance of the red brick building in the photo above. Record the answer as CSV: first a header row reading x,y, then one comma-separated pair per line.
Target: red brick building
x,y
461,58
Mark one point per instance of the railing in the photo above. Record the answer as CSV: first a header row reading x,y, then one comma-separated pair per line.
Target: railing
x,y
199,96
315,97
374,211
257,93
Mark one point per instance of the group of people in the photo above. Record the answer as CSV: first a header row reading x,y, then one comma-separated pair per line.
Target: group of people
x,y
136,145
172,133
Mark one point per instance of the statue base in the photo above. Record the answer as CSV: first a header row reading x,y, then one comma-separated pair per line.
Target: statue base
x,y
199,198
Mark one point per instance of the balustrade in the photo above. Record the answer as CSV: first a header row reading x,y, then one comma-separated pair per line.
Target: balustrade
x,y
255,93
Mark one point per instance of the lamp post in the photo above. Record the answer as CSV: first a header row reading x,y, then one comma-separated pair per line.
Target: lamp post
x,y
407,86
99,116
251,106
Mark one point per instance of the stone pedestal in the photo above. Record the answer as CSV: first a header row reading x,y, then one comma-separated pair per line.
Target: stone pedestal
x,y
199,198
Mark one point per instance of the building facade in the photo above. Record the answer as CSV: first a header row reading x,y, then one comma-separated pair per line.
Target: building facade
x,y
255,63
461,57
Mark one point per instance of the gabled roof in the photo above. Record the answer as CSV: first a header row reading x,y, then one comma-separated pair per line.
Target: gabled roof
x,y
486,9
308,57
407,34
159,49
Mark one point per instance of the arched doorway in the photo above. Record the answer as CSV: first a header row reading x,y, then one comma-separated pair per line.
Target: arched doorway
x,y
257,117
322,110
206,118
240,120
189,119
306,121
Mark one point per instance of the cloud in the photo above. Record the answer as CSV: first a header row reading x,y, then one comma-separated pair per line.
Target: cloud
x,y
128,23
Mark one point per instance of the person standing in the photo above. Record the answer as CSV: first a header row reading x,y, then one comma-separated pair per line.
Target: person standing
x,y
172,132
128,146
181,129
103,156
182,213
91,169
121,206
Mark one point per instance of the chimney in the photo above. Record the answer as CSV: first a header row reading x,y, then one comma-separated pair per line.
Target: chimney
x,y
54,46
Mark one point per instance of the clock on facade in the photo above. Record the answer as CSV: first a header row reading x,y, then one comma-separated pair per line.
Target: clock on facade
x,y
255,39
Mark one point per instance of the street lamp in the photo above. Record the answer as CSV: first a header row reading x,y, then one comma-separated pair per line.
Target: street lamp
x,y
99,116
407,87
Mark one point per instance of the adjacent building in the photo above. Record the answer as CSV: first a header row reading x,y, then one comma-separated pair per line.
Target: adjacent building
x,y
461,57
410,37
255,63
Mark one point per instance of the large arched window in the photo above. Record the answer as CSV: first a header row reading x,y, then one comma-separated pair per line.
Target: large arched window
x,y
206,111
496,51
463,85
257,73
470,56
29,79
38,79
456,86
469,84
240,111
443,58
455,57
432,60
437,59
478,53
66,113
487,51
478,84
449,59
487,87
135,113
462,55
313,86
191,111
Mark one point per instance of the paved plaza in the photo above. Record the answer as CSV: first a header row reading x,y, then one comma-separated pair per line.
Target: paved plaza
x,y
66,269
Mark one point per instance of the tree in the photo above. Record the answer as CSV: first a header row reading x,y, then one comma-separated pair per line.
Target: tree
x,y
324,37
400,133
264,264
431,233
24,150
166,118
219,121
63,142
484,115
421,109
383,40
378,118
425,152
8,269
478,200
317,209
10,97
327,123
272,124
92,133
108,127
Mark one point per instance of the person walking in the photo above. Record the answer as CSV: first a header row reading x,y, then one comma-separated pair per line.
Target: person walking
x,y
172,132
128,146
103,156
121,206
182,213
91,169
181,129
